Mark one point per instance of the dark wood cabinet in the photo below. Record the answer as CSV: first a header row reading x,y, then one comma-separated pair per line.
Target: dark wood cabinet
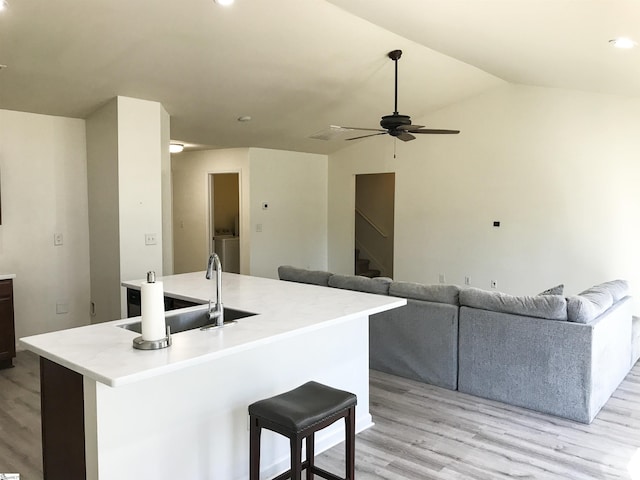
x,y
7,328
62,413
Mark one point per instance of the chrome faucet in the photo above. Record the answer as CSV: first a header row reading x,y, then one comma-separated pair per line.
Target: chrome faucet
x,y
217,312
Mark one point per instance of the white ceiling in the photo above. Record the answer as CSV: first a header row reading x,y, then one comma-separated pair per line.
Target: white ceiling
x,y
298,66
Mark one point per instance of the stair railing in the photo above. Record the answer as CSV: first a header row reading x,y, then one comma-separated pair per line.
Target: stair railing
x,y
372,223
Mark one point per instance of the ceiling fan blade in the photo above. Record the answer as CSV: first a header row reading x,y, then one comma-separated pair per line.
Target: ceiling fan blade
x,y
365,136
435,131
364,129
405,137
409,128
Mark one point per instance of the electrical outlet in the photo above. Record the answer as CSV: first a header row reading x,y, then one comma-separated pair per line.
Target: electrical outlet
x,y
441,278
467,280
494,284
57,239
258,227
62,307
150,239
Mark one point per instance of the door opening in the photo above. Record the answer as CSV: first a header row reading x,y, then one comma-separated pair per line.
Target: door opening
x,y
224,219
374,224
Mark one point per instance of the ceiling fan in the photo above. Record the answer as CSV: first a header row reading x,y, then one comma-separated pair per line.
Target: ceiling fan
x,y
396,125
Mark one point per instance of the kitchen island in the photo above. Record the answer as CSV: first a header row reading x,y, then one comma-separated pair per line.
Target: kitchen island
x,y
181,412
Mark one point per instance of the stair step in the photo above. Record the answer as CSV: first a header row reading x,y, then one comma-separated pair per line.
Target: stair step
x,y
370,273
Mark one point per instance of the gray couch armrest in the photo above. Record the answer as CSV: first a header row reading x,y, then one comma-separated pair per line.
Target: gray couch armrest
x,y
418,341
562,368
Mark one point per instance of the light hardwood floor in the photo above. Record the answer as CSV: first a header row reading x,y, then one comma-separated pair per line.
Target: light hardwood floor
x,y
422,432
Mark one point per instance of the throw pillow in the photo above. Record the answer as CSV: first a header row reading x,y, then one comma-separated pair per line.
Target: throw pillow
x,y
557,290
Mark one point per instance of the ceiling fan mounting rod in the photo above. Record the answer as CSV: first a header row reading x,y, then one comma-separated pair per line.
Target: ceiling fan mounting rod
x,y
395,56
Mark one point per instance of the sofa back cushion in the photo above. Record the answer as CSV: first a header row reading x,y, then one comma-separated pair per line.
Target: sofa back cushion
x,y
553,307
301,275
617,288
379,285
430,293
590,304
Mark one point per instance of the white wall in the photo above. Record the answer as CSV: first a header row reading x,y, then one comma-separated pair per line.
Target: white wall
x,y
104,226
294,227
190,176
127,145
44,190
557,168
141,126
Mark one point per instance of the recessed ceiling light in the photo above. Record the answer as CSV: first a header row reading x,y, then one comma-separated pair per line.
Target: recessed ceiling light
x,y
623,42
3,5
176,147
224,2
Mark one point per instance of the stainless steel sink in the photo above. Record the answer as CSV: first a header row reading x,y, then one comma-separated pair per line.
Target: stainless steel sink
x,y
191,318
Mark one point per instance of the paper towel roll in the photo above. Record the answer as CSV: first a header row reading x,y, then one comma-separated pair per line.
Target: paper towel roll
x,y
152,306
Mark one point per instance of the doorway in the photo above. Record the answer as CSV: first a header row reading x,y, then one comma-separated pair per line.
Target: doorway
x,y
374,224
224,219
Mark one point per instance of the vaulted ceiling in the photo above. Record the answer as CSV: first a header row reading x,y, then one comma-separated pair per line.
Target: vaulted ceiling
x,y
298,66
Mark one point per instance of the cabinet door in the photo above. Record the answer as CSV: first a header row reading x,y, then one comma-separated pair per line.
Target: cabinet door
x,y
7,332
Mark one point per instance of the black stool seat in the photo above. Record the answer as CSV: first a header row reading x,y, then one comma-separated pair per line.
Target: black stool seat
x,y
298,414
304,406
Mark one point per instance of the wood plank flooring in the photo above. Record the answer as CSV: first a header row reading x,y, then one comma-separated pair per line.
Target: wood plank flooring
x,y
20,436
422,432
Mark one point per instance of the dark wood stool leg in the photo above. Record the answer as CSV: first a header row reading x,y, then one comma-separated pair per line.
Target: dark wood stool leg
x,y
350,443
310,446
254,450
296,457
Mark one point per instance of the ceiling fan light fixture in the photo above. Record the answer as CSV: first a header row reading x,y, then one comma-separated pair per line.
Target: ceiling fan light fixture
x,y
623,42
176,147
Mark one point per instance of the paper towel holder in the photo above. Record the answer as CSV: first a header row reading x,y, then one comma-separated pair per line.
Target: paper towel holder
x,y
141,344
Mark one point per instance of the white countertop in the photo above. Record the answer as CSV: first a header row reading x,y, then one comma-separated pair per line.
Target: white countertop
x,y
104,352
7,276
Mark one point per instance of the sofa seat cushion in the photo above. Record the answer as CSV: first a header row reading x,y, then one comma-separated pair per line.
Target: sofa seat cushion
x,y
379,285
590,304
301,275
429,293
553,307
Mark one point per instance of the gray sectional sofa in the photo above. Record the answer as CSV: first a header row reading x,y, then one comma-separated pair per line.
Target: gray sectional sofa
x,y
556,355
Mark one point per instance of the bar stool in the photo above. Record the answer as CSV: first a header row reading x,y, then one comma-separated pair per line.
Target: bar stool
x,y
298,414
